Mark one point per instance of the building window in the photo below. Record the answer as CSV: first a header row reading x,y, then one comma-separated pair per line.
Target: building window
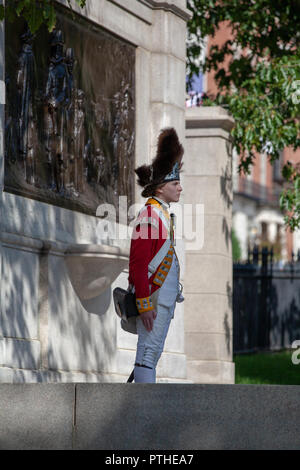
x,y
277,169
264,232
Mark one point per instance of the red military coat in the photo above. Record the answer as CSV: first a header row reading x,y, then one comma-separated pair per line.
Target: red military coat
x,y
151,231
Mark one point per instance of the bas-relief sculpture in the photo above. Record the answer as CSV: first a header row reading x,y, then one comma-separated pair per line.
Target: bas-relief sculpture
x,y
25,106
69,115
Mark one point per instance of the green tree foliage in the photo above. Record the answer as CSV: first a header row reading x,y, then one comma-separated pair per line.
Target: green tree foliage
x,y
35,12
261,83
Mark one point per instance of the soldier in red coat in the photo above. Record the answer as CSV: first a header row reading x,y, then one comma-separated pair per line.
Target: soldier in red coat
x,y
153,264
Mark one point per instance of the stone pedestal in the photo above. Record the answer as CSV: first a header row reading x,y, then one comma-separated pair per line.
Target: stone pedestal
x,y
208,271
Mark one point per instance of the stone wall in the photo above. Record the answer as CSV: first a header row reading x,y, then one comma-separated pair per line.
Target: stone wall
x,y
47,333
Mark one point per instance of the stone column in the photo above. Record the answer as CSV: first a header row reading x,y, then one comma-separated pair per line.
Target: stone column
x,y
208,272
2,130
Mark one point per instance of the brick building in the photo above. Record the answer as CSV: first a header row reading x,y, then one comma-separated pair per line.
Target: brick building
x,y
256,214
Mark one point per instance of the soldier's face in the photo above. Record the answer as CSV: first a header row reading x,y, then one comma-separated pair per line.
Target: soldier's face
x,y
170,192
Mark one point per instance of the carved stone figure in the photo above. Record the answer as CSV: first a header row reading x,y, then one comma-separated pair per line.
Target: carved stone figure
x,y
122,139
87,161
11,149
71,160
25,90
79,139
100,166
57,98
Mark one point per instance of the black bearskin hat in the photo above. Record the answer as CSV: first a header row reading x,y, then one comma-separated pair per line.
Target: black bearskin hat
x,y
166,164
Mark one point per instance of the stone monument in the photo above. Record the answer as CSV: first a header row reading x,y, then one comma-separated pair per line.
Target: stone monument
x,y
83,108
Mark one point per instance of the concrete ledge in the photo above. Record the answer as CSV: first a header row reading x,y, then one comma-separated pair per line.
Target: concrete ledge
x,y
208,117
150,417
36,417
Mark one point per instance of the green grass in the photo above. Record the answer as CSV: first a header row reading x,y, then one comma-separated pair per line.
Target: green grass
x,y
267,368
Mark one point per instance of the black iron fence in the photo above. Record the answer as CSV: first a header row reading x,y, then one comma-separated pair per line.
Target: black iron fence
x,y
266,302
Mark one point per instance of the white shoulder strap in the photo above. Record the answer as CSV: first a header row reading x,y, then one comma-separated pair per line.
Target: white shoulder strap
x,y
155,262
162,217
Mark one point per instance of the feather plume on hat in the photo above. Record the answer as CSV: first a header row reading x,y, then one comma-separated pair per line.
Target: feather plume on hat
x,y
166,164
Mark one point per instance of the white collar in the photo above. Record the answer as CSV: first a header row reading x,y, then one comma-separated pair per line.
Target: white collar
x,y
165,204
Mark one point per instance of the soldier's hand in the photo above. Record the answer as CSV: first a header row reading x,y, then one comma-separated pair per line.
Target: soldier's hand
x,y
148,318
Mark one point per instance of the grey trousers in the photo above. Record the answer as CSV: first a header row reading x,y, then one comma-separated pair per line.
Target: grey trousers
x,y
151,343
